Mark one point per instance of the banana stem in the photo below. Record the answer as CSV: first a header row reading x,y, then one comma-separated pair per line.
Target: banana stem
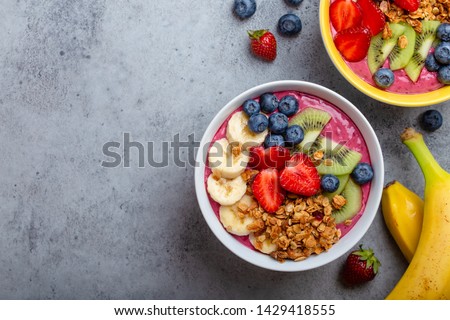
x,y
431,169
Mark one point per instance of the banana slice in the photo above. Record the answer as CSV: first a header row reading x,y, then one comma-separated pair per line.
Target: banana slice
x,y
225,191
229,216
238,131
265,247
227,160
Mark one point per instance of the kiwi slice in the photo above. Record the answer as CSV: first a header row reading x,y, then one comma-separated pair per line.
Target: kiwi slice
x,y
353,194
312,122
400,57
337,159
342,183
424,41
380,48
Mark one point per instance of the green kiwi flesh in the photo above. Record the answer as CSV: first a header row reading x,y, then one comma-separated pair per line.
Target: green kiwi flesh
x,y
353,194
342,183
380,48
337,159
399,58
312,122
424,41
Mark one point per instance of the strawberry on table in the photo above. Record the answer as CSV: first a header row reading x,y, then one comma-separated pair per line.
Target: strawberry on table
x,y
345,14
300,176
372,16
267,190
353,43
361,266
410,5
263,44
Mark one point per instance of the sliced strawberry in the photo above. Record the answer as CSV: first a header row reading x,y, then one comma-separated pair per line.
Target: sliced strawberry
x,y
267,190
410,5
353,43
300,176
273,157
256,158
373,17
345,14
276,157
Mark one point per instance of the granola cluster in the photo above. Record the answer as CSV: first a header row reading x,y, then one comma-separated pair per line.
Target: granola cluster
x,y
301,226
428,10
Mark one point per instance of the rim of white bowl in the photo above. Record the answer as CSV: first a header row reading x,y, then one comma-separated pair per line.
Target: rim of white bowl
x,y
345,243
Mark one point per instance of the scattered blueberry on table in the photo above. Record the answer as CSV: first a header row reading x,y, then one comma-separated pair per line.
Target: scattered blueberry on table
x,y
244,8
431,120
293,2
289,24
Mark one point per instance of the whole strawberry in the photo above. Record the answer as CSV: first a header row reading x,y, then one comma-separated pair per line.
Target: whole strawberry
x,y
361,266
264,44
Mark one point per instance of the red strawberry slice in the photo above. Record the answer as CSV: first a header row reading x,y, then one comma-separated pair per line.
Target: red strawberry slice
x,y
256,158
373,17
300,176
276,157
353,43
267,190
410,5
345,14
273,157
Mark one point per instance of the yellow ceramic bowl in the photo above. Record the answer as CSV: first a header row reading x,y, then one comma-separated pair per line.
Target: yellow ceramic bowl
x,y
403,100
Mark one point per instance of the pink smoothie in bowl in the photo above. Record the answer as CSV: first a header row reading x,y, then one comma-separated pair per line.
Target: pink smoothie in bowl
x,y
427,81
340,129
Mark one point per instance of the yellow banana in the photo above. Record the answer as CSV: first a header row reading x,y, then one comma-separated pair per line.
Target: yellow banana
x,y
403,213
428,274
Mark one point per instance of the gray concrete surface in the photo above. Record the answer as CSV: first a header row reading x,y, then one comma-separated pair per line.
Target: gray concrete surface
x,y
77,74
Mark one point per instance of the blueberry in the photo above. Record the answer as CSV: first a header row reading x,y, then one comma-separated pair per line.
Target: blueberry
x,y
329,183
431,120
244,8
294,2
444,74
268,102
258,123
431,63
273,140
251,107
383,78
442,53
294,135
289,24
278,123
443,32
288,105
362,173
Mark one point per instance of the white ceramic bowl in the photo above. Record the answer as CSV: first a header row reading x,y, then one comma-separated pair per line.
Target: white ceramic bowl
x,y
345,243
